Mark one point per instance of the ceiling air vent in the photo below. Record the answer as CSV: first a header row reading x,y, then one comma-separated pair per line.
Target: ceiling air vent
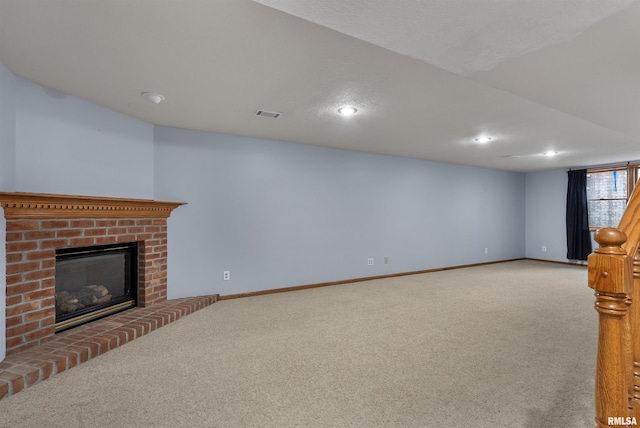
x,y
510,157
267,113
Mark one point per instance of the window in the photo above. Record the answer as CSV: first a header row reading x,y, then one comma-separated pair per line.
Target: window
x,y
608,191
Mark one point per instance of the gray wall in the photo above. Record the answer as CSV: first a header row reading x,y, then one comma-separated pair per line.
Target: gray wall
x,y
70,146
278,214
546,199
7,173
7,129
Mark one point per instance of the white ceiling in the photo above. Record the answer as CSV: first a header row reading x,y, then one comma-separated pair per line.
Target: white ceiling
x,y
427,76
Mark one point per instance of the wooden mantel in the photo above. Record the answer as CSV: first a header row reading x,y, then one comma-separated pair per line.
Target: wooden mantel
x,y
19,205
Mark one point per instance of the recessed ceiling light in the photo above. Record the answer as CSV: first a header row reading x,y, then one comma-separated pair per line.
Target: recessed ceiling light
x,y
550,154
483,139
153,97
347,111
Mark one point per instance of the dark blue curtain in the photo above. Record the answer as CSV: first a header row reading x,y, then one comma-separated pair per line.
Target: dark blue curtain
x,y
578,236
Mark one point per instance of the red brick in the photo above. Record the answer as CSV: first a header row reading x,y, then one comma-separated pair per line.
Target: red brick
x,y
106,223
40,274
82,223
59,362
31,374
13,225
4,388
117,231
68,233
102,341
20,246
13,300
47,303
41,294
40,234
47,322
22,267
135,229
13,321
24,287
22,329
13,343
131,332
21,309
95,232
71,357
76,334
39,334
54,243
144,222
14,279
44,313
126,238
139,328
122,337
14,257
14,236
55,224
46,368
111,339
81,351
48,282
15,380
81,242
102,240
39,255
126,222
48,263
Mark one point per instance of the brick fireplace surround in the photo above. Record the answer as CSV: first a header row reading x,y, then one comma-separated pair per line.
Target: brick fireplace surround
x,y
37,225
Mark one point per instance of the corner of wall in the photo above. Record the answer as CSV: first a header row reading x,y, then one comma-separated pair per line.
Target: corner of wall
x,y
7,176
3,289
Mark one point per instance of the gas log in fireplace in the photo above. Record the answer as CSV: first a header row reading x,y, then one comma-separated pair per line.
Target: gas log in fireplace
x,y
93,282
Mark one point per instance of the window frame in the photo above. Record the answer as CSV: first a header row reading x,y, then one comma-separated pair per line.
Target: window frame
x,y
632,178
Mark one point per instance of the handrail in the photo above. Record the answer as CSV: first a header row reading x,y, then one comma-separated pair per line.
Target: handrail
x,y
629,223
614,274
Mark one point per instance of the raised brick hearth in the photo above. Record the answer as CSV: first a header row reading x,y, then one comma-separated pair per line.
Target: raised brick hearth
x,y
72,347
39,224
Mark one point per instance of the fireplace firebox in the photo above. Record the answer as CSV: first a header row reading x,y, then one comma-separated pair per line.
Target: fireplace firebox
x,y
93,282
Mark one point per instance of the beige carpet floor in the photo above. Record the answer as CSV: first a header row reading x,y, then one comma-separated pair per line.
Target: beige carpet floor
x,y
504,345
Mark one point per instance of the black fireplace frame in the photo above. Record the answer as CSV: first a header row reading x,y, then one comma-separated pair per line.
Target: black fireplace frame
x,y
128,300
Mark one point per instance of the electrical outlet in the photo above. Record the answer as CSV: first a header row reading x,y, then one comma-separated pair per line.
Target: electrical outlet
x,y
544,248
226,275
370,262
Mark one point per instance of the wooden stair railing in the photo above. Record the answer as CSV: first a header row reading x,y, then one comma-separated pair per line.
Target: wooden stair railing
x,y
614,274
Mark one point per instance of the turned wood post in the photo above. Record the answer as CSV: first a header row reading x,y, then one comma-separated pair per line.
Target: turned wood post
x,y
611,276
634,322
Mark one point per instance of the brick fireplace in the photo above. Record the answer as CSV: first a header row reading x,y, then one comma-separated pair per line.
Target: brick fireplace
x,y
39,224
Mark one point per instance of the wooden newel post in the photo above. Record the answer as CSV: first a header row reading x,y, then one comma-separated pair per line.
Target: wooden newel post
x,y
611,276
